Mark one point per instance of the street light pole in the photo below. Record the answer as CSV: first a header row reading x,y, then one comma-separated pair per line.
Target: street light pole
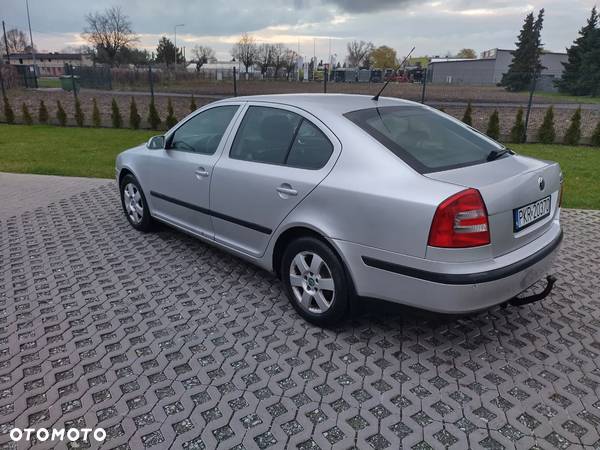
x,y
175,43
31,39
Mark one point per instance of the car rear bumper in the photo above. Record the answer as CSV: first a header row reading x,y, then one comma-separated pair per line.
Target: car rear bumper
x,y
450,287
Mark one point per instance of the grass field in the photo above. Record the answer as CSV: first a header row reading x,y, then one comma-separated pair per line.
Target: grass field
x,y
90,152
565,98
48,82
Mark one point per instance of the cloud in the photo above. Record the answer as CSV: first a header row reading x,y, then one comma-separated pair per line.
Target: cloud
x,y
369,6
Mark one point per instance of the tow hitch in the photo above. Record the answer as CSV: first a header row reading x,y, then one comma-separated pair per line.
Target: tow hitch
x,y
520,301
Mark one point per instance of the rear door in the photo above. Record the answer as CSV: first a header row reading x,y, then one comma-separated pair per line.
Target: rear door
x,y
277,156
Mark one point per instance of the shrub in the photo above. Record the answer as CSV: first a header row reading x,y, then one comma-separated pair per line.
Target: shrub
x,y
9,114
115,115
468,116
61,115
193,106
171,120
517,132
493,128
42,113
153,117
547,133
596,136
27,119
79,115
573,134
441,109
96,119
134,117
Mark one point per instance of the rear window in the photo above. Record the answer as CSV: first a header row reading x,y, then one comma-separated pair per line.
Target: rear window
x,y
426,140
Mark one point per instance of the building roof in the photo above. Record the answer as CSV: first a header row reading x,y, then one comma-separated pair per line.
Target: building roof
x,y
54,55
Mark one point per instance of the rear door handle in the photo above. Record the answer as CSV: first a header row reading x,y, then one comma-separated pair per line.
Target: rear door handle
x,y
201,172
286,190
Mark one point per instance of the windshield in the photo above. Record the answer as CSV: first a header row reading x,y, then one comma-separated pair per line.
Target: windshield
x,y
426,140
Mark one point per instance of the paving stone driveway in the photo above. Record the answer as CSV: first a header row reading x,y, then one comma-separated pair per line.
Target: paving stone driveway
x,y
167,343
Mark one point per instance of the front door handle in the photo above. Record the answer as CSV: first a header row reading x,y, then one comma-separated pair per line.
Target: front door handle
x,y
201,172
285,191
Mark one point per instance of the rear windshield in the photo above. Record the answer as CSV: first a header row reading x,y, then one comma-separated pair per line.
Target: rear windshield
x,y
426,140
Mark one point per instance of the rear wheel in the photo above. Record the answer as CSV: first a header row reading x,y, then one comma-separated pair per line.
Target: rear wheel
x,y
134,204
315,281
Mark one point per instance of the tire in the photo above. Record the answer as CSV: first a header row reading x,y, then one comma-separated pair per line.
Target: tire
x,y
134,204
317,288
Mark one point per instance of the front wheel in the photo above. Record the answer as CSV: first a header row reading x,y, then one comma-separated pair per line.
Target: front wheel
x,y
134,204
315,281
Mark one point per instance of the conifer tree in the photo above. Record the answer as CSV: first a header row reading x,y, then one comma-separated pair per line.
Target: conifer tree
x,y
115,115
573,134
153,117
171,120
493,128
547,133
517,132
96,119
79,115
61,115
27,119
468,115
134,117
193,106
9,114
42,113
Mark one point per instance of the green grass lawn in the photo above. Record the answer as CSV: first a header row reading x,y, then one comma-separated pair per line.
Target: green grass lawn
x,y
48,82
90,152
82,152
558,96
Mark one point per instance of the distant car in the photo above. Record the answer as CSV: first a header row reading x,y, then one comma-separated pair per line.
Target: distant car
x,y
343,196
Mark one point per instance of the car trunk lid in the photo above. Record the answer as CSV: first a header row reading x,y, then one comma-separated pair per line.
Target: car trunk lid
x,y
508,184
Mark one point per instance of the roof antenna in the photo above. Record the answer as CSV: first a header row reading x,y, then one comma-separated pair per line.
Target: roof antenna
x,y
386,83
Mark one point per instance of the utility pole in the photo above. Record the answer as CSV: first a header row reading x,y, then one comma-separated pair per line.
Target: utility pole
x,y
175,43
32,48
6,43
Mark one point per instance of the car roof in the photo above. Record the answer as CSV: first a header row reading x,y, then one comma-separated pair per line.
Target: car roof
x,y
326,103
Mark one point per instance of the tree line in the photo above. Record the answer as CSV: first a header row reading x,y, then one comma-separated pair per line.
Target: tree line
x,y
581,74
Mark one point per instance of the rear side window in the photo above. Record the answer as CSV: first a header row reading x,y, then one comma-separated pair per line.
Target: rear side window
x,y
311,148
203,132
426,140
276,136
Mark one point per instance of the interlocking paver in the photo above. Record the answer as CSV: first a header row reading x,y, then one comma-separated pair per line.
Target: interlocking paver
x,y
166,342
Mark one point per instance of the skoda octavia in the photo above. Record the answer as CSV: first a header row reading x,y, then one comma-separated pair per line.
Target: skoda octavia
x,y
347,195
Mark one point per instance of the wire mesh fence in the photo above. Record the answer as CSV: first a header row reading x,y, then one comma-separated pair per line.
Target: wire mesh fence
x,y
482,100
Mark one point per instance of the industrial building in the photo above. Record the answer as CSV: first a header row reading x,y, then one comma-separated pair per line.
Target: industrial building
x,y
488,69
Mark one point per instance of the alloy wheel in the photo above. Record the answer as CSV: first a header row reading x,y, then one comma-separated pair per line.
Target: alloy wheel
x,y
133,203
312,282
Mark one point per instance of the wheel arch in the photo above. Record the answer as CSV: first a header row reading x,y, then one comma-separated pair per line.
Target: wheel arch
x,y
297,231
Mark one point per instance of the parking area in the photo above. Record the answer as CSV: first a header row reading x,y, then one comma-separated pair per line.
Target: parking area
x,y
168,343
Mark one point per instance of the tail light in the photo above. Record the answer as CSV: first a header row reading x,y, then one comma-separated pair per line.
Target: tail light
x,y
560,194
460,221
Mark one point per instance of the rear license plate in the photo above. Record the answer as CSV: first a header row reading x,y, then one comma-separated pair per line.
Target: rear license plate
x,y
529,214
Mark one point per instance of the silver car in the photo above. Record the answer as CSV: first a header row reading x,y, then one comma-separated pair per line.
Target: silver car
x,y
344,196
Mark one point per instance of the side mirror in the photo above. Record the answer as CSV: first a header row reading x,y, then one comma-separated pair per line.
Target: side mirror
x,y
156,143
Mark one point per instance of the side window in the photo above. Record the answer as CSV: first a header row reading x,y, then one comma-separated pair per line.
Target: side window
x,y
203,132
311,148
265,135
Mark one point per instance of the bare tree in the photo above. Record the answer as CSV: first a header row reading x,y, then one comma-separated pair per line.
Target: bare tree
x,y
17,42
202,54
245,51
277,57
290,60
359,53
109,32
264,57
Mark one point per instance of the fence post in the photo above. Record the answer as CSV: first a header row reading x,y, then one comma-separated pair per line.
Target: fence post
x,y
73,82
424,76
2,81
151,81
234,83
325,75
531,91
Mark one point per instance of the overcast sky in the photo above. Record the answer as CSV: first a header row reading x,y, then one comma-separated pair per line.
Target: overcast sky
x,y
435,27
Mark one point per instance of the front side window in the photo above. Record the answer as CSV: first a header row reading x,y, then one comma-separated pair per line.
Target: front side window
x,y
276,136
203,132
426,140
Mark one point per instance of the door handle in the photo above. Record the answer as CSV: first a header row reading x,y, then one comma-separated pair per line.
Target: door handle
x,y
286,190
201,172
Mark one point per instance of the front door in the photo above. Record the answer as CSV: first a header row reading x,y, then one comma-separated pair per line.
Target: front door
x,y
177,179
277,157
